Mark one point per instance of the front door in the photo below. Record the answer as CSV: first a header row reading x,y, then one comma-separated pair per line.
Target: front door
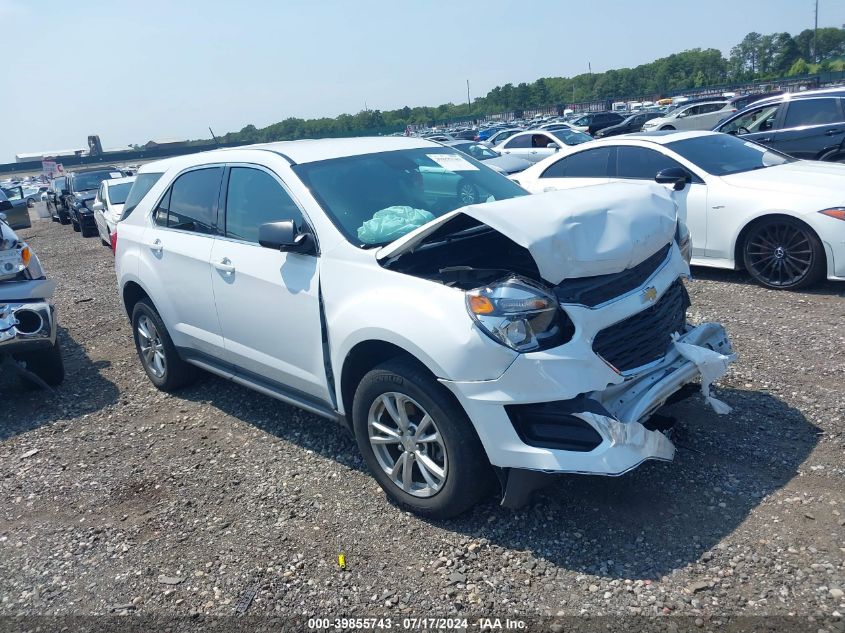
x,y
268,301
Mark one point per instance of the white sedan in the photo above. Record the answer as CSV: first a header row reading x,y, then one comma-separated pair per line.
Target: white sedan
x,y
108,205
746,206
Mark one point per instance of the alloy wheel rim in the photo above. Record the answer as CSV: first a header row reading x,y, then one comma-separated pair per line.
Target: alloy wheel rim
x,y
407,444
151,346
780,253
467,194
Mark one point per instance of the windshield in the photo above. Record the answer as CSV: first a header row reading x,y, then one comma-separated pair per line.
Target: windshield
x,y
478,152
569,136
118,193
375,199
723,154
91,180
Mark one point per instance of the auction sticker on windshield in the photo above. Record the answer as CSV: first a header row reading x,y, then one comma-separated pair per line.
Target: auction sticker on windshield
x,y
115,174
452,162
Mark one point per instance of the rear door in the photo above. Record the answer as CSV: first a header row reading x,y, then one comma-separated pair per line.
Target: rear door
x,y
175,256
811,127
268,301
590,167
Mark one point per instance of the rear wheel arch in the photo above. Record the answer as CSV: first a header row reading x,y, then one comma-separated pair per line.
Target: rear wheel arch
x,y
834,155
132,293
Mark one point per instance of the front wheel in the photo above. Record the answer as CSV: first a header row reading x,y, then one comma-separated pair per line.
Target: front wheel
x,y
783,254
467,193
46,363
667,127
418,442
30,203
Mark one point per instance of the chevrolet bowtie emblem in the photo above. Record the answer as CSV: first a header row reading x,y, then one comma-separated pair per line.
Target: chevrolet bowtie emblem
x,y
650,294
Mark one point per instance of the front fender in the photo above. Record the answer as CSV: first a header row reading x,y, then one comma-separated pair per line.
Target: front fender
x,y
364,302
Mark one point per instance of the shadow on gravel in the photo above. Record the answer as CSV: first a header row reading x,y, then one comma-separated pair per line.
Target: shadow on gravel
x,y
83,391
661,516
645,524
740,277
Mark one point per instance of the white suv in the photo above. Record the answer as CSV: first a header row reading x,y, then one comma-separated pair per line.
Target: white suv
x,y
530,333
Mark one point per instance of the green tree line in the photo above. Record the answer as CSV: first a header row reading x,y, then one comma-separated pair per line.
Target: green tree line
x,y
756,58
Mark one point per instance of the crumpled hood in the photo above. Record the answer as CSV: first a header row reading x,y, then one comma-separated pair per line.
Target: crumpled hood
x,y
582,232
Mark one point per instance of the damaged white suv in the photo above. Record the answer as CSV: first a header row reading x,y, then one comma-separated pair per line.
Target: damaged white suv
x,y
536,334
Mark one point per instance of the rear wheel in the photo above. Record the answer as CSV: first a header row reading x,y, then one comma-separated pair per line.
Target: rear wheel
x,y
783,254
159,358
418,442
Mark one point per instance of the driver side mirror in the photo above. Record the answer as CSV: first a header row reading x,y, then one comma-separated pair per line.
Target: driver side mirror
x,y
284,236
675,176
98,206
553,146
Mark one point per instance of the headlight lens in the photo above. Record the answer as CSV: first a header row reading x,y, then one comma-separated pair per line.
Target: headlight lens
x,y
520,315
682,237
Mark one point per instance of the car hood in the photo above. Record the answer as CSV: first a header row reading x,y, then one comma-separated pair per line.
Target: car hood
x,y
808,178
509,164
594,230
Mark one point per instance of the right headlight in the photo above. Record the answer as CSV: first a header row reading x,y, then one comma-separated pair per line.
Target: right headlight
x,y
520,315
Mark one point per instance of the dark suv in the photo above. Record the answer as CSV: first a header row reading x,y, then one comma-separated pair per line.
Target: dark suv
x,y
634,123
56,206
808,125
592,122
79,193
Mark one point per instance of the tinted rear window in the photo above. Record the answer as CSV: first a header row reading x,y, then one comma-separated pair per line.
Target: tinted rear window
x,y
812,112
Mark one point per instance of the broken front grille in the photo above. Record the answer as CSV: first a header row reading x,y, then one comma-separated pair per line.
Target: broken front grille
x,y
644,337
592,291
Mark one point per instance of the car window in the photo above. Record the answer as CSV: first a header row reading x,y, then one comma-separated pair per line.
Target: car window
x,y
593,163
518,142
812,112
757,120
191,202
641,163
117,193
723,154
140,188
541,140
253,198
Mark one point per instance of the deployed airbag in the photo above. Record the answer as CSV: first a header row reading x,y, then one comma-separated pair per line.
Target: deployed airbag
x,y
392,223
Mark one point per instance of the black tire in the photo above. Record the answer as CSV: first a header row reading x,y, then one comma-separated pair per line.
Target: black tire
x,y
177,373
75,224
783,254
468,474
668,127
63,219
45,363
834,157
89,232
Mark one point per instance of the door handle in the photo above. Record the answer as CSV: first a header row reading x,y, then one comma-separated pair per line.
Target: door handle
x,y
832,132
156,247
225,266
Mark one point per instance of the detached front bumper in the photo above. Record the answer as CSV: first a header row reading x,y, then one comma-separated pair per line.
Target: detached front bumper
x,y
524,423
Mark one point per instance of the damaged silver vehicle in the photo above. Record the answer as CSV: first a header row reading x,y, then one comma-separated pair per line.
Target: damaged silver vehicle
x,y
531,334
29,347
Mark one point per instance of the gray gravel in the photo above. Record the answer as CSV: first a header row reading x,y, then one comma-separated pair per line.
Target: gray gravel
x,y
117,498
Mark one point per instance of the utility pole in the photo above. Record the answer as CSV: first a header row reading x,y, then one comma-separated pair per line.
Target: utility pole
x,y
469,103
816,36
590,66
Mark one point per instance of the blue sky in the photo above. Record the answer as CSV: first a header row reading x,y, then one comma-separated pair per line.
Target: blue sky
x,y
151,69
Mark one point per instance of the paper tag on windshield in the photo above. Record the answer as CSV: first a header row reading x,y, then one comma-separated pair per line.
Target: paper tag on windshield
x,y
115,174
452,162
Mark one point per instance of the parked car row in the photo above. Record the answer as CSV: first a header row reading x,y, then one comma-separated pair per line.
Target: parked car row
x,y
89,199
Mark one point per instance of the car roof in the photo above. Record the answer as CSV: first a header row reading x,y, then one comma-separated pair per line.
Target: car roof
x,y
90,169
838,91
119,181
298,152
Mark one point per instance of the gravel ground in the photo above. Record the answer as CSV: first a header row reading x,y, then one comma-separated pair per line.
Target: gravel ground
x,y
117,498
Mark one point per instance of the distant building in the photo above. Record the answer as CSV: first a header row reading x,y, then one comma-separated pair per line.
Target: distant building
x,y
164,142
56,153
